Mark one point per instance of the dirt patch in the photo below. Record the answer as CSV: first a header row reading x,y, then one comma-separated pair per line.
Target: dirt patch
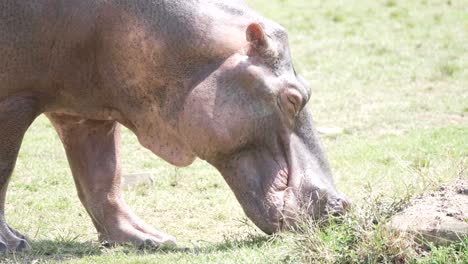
x,y
440,216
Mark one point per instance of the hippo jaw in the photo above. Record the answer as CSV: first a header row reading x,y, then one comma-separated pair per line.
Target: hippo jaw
x,y
262,198
280,184
280,206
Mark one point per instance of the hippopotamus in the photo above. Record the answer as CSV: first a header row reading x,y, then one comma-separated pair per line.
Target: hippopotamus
x,y
191,79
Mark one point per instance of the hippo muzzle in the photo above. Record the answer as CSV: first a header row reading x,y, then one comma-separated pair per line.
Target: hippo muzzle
x,y
284,181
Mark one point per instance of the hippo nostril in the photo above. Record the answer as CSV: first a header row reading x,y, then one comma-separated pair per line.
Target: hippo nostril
x,y
338,206
346,204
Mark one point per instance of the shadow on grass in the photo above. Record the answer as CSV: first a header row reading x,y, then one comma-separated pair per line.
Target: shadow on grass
x,y
230,243
58,250
53,250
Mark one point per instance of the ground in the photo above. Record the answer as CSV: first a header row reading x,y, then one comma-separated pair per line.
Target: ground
x,y
393,75
439,216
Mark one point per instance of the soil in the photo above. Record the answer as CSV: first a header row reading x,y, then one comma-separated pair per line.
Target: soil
x,y
440,216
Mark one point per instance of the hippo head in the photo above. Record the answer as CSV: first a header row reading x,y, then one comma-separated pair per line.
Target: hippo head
x,y
249,119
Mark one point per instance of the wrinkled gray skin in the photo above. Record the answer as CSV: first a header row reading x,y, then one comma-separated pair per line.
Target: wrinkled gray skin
x,y
207,79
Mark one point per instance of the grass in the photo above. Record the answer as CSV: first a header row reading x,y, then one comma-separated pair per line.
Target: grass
x,y
392,74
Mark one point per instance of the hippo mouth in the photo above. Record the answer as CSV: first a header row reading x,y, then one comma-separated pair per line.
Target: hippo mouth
x,y
262,187
284,205
299,203
288,198
291,208
274,191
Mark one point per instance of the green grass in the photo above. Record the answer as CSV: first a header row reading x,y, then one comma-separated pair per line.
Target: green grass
x,y
392,74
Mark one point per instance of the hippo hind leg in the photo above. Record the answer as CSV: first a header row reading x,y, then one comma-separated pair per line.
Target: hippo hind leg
x,y
92,148
16,115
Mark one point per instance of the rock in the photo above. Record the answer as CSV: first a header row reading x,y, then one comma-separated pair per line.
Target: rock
x,y
462,189
137,179
440,216
330,131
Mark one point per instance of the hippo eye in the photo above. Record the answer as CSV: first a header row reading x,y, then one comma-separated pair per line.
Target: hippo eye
x,y
291,102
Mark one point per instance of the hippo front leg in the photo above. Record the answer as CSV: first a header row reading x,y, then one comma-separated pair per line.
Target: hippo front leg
x,y
92,149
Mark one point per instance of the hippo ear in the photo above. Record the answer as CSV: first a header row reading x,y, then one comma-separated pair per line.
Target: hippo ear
x,y
256,37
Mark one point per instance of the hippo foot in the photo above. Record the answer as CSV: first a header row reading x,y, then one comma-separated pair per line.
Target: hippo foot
x,y
142,241
137,233
12,240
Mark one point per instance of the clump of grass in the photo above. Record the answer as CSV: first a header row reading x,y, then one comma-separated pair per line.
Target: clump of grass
x,y
361,236
365,236
390,3
337,18
399,14
457,253
448,69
